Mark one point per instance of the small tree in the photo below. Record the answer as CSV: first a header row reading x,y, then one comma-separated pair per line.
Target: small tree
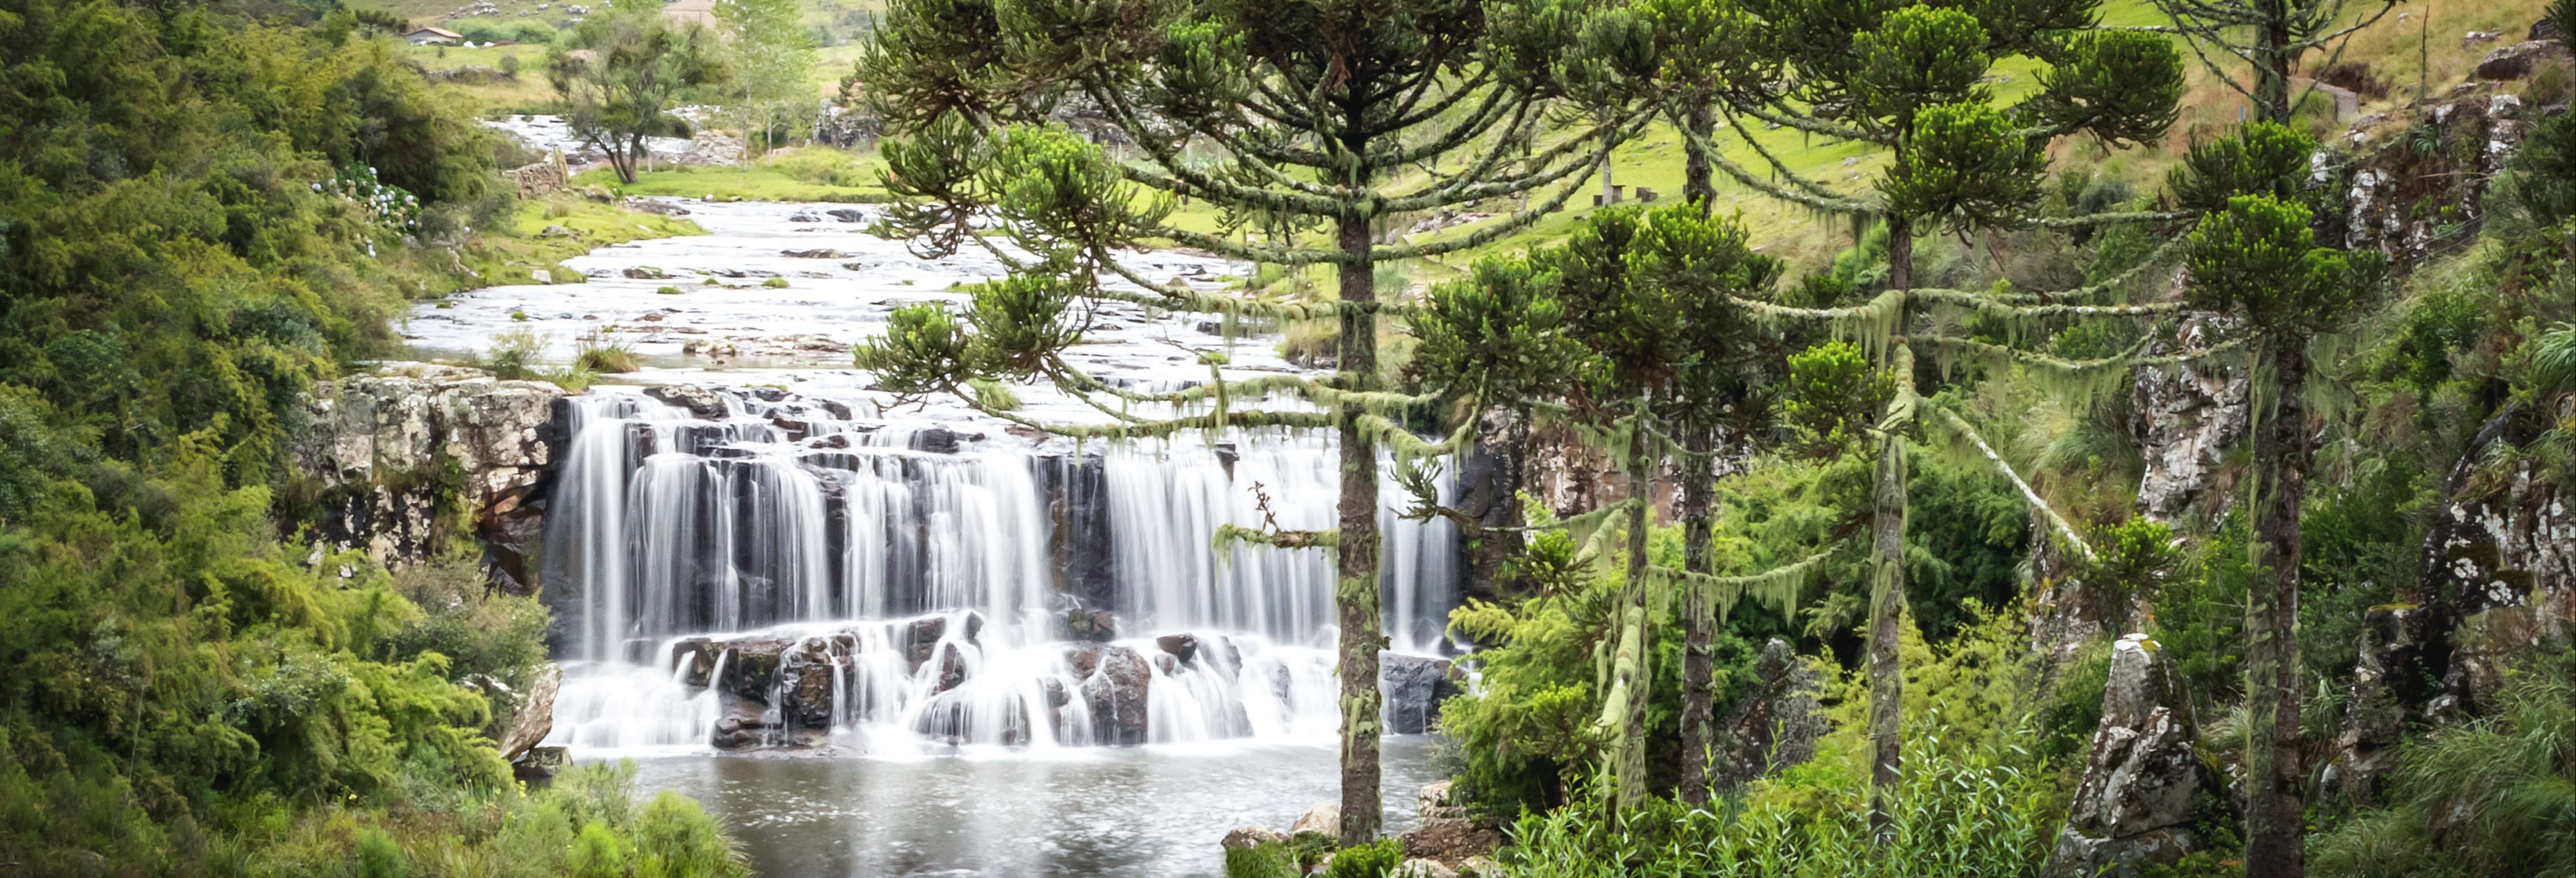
x,y
2269,37
1341,114
618,75
772,56
2257,259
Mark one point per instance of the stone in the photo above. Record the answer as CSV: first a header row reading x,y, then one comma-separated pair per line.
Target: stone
x,y
534,716
644,272
2183,418
2389,681
1182,647
846,215
701,402
554,231
2519,60
1090,626
2133,806
1480,867
1323,818
1245,837
1774,725
539,275
540,763
1421,868
1115,680
1413,687
1432,804
2498,569
804,216
817,253
379,442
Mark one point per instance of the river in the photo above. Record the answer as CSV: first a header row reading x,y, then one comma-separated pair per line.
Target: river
x,y
897,637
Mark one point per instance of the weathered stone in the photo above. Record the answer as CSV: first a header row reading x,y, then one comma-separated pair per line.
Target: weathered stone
x,y
2499,567
2135,800
1413,687
1181,646
1433,805
382,444
1115,680
2519,60
701,402
846,215
1775,725
2389,680
534,716
1323,818
1421,868
817,253
1244,837
2184,417
540,763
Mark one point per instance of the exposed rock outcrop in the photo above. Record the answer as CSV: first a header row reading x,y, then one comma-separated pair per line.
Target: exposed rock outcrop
x,y
2389,682
395,455
2183,417
1774,725
2499,565
2134,805
1414,687
1115,680
534,716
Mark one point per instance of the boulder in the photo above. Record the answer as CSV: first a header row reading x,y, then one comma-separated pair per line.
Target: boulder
x,y
1090,626
540,763
2498,574
846,215
817,253
534,717
2183,418
644,272
2134,804
1433,805
1245,837
1774,725
1323,818
1182,647
804,216
701,402
2519,60
1413,687
1421,868
1114,680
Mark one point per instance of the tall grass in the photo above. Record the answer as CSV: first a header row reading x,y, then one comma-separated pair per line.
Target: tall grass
x,y
2494,797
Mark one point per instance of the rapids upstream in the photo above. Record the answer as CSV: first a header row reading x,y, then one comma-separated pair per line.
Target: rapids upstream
x,y
889,637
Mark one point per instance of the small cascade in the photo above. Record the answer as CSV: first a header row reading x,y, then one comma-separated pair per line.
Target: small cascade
x,y
752,569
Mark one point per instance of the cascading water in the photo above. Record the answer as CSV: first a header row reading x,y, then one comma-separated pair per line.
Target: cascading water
x,y
751,569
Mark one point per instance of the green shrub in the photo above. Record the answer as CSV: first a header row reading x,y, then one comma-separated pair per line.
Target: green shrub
x,y
609,356
1373,860
1265,860
668,290
775,283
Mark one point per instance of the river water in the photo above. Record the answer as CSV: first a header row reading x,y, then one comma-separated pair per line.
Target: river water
x,y
841,619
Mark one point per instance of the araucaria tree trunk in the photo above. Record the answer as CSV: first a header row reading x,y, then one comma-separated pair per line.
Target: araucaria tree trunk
x,y
1698,618
1886,608
1636,638
2274,769
1356,567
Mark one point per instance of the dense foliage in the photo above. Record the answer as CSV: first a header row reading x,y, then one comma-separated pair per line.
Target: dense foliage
x,y
198,219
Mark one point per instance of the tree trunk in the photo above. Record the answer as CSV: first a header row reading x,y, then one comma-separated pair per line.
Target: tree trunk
x,y
1698,186
1900,253
1631,764
1356,593
2272,56
1699,620
1886,608
2274,769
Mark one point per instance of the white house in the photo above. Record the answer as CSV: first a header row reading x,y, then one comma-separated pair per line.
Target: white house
x,y
426,35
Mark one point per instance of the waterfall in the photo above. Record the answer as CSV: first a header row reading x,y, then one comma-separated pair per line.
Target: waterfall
x,y
752,568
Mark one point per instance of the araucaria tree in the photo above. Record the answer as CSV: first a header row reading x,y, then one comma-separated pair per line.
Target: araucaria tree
x,y
2256,258
619,74
2269,37
1914,79
1281,113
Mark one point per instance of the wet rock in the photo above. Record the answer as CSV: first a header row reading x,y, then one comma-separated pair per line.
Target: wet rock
x,y
952,668
751,668
818,253
1323,818
2519,60
1090,626
805,678
534,716
1114,684
847,215
1247,837
1413,687
2134,803
1775,725
804,216
701,402
1183,647
540,763
936,440
644,272
693,661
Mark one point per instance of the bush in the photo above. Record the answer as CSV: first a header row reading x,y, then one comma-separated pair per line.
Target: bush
x,y
775,283
607,356
1373,860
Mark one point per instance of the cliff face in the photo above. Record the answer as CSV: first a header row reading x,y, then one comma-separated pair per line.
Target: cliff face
x,y
397,460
